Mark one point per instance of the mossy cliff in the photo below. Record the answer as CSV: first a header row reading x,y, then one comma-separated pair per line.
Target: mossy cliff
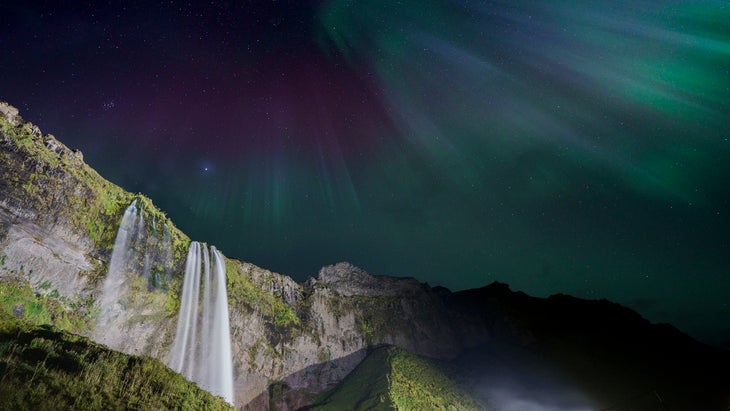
x,y
45,182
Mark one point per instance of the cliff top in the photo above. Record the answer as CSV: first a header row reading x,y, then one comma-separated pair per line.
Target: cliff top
x,y
350,280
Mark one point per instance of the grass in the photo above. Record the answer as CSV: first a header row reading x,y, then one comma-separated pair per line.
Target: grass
x,y
390,378
44,368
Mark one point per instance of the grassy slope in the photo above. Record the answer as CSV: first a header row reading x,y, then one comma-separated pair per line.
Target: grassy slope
x,y
43,368
393,379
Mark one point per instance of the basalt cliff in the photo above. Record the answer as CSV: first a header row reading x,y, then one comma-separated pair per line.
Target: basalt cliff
x,y
299,345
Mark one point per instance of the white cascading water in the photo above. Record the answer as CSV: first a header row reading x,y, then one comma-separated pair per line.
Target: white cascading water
x,y
140,245
166,274
203,353
115,287
136,252
220,353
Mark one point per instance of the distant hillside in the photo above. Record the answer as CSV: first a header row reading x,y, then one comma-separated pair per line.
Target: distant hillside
x,y
43,368
566,353
390,378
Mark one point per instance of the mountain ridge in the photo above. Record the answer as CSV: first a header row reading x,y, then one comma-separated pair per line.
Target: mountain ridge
x,y
57,223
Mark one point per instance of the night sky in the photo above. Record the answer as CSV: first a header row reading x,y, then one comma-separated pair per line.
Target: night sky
x,y
564,146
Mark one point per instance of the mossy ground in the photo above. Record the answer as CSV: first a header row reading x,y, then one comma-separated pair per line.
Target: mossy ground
x,y
44,368
390,378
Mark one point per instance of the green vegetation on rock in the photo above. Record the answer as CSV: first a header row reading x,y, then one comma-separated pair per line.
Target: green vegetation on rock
x,y
390,378
241,291
17,298
44,368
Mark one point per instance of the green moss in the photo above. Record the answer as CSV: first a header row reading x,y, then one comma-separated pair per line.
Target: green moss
x,y
282,313
180,242
241,292
323,355
43,368
281,319
335,307
172,304
365,388
376,317
253,351
38,309
366,330
140,298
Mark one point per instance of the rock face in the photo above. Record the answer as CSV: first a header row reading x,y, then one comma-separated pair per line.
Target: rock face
x,y
333,323
290,341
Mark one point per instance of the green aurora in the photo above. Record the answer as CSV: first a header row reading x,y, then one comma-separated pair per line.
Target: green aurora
x,y
572,147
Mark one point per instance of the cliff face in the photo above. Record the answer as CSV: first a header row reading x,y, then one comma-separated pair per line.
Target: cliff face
x,y
291,341
309,336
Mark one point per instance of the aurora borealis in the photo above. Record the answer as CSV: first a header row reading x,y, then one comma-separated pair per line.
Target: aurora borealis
x,y
564,146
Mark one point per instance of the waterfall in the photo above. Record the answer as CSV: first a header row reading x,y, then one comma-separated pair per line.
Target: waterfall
x,y
115,286
141,246
165,275
137,252
203,352
202,347
220,340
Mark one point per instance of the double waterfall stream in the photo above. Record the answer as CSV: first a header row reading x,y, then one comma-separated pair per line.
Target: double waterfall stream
x,y
201,350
